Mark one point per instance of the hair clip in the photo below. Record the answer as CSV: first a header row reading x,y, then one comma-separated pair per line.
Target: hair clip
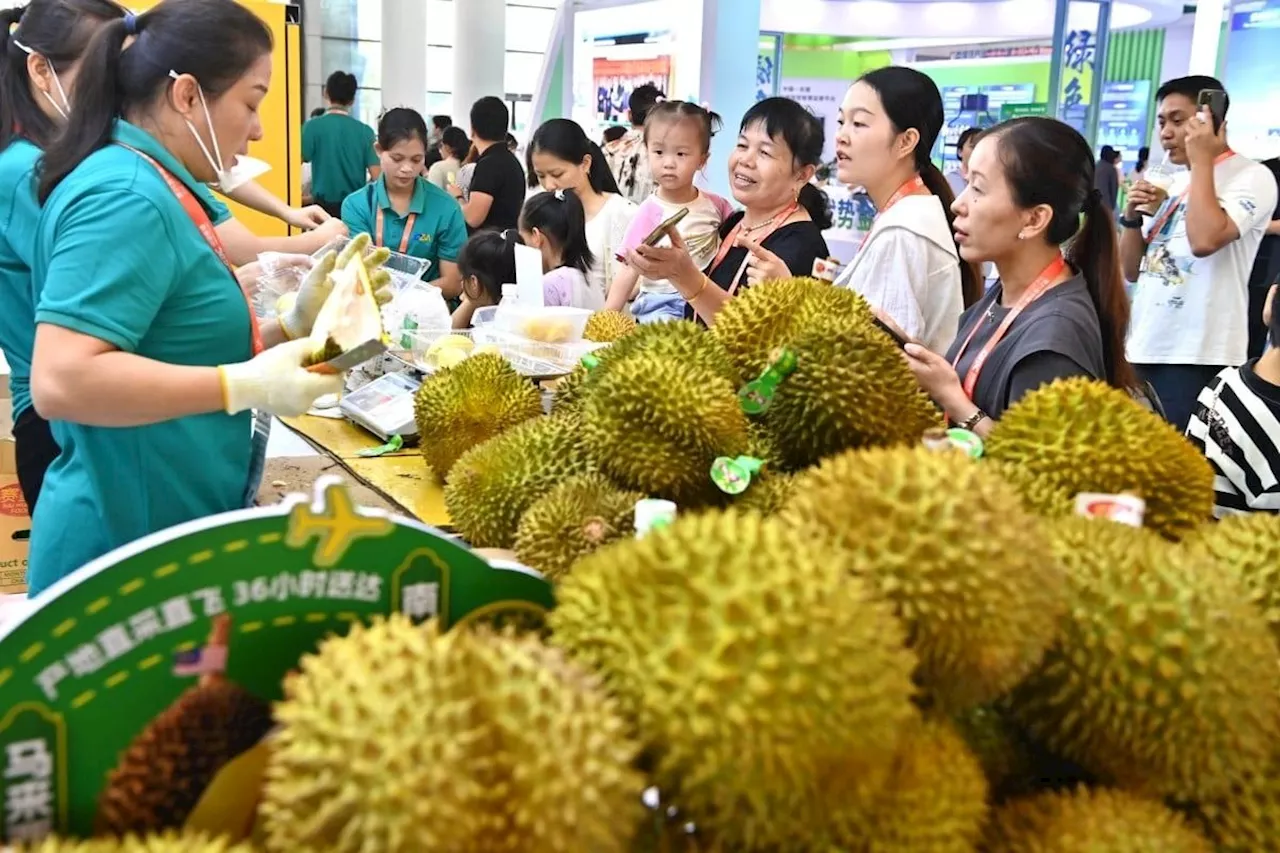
x,y
706,106
13,28
661,99
559,195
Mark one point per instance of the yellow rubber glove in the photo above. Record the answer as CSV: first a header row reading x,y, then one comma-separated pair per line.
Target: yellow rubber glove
x,y
297,312
276,382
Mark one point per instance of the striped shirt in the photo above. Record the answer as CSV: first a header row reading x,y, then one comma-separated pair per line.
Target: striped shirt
x,y
1236,424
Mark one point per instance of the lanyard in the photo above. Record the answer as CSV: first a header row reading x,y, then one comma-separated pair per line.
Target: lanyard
x,y
201,220
1043,283
728,243
1181,199
404,240
915,186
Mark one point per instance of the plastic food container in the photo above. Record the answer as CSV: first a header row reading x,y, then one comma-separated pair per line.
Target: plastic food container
x,y
484,316
270,287
432,349
548,325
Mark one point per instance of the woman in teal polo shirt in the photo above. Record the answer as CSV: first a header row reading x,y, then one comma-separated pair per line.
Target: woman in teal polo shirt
x,y
147,357
403,210
40,50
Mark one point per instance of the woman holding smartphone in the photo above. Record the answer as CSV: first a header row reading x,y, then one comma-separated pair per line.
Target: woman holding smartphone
x,y
907,266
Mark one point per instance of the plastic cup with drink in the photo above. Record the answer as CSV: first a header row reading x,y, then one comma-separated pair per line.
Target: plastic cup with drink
x,y
1161,177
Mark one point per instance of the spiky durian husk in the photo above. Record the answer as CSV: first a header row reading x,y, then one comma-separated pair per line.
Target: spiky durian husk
x,y
1079,435
568,391
851,389
943,538
1247,819
467,741
492,485
463,406
1007,757
757,322
749,660
169,842
1166,679
572,520
164,772
1250,546
934,799
608,326
768,493
656,424
1090,821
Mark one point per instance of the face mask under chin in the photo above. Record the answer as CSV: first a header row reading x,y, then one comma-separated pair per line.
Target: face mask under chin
x,y
243,169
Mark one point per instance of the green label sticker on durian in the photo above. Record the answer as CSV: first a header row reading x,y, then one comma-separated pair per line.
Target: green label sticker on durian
x,y
127,657
968,442
732,476
757,396
590,362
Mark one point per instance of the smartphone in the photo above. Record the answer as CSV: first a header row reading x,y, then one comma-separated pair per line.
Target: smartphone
x,y
891,332
661,231
1216,101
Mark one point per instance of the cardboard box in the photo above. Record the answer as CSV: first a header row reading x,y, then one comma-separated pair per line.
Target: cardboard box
x,y
15,519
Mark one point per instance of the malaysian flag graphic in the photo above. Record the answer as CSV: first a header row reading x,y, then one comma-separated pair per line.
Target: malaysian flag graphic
x,y
210,660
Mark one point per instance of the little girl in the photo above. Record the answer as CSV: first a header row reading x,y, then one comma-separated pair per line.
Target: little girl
x,y
677,136
487,261
555,224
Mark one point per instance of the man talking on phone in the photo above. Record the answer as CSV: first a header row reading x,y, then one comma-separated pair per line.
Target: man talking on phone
x,y
1190,248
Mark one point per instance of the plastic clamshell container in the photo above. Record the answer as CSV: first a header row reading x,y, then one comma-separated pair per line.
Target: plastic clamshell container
x,y
556,324
421,341
529,358
484,316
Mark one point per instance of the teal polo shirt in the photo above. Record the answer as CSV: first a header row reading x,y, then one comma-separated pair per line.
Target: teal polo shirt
x,y
340,151
439,229
118,259
19,217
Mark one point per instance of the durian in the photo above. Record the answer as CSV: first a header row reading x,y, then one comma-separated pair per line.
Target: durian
x,y
767,494
1165,679
572,520
933,801
851,389
350,315
1090,821
757,322
1013,764
397,739
1250,546
161,776
1246,820
656,425
749,659
608,326
169,842
948,542
467,405
1079,435
491,485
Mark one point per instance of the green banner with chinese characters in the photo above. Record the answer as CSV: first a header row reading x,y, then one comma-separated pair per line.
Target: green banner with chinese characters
x,y
117,649
1012,111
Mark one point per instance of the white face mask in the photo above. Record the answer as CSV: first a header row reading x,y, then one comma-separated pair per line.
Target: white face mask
x,y
64,108
242,171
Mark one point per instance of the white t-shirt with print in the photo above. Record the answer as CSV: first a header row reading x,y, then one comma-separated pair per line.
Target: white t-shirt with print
x,y
1189,310
605,233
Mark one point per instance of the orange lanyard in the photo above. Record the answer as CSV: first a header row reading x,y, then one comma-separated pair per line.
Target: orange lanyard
x,y
404,240
204,224
915,186
1043,284
1178,202
728,243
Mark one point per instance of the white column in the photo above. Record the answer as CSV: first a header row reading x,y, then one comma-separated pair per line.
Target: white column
x,y
313,44
1206,36
479,54
730,44
404,54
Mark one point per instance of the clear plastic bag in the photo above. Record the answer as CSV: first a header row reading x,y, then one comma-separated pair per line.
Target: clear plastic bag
x,y
416,306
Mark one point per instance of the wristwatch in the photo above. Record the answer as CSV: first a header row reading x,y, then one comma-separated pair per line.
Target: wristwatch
x,y
1135,224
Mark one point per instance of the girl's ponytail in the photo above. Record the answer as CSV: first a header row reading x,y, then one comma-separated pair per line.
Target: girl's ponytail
x,y
560,216
1095,252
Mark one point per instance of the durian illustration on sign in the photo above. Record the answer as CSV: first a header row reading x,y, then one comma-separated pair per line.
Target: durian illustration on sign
x,y
163,774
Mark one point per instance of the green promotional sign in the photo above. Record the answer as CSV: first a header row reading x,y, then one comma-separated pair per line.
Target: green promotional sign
x,y
1010,111
113,652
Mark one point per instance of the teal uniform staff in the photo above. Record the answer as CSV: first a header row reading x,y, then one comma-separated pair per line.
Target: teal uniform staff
x,y
338,146
147,356
40,50
402,210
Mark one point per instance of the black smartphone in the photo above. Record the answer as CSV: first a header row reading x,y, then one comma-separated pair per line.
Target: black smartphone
x,y
891,332
1216,101
661,231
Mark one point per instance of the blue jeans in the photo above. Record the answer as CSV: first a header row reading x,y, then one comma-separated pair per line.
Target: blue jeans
x,y
657,307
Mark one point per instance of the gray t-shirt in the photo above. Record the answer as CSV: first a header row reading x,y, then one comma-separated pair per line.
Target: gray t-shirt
x,y
1055,337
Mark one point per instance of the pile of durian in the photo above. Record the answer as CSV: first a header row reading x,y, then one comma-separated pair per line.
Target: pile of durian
x,y
877,647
